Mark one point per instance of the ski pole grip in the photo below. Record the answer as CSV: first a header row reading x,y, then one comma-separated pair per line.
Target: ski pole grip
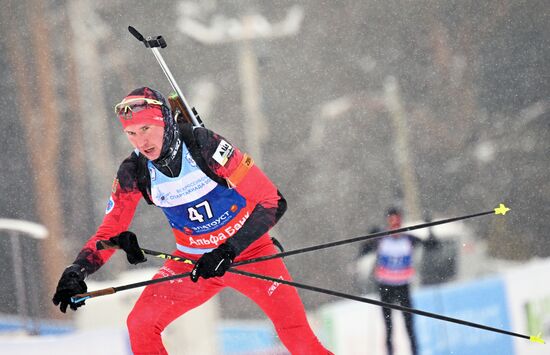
x,y
84,296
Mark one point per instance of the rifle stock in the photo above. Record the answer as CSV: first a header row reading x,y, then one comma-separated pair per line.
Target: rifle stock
x,y
180,112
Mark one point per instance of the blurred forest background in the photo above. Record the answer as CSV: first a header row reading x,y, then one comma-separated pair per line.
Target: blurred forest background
x,y
441,106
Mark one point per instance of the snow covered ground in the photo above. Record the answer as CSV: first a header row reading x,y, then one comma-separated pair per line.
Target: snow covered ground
x,y
515,300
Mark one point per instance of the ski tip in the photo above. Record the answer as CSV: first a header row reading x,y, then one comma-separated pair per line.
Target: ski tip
x,y
501,209
537,339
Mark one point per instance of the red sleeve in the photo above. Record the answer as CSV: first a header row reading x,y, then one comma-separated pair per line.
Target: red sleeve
x,y
228,162
120,211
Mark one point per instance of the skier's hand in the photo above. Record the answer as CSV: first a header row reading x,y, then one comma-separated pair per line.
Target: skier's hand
x,y
70,284
127,241
214,263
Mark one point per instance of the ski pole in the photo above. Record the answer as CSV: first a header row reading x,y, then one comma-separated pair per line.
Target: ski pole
x,y
104,244
500,210
532,338
189,113
110,290
309,288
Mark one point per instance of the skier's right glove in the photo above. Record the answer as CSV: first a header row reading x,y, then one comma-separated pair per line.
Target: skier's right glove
x,y
214,263
70,284
127,241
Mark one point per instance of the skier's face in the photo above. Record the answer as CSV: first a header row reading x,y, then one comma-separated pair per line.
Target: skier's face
x,y
147,138
394,221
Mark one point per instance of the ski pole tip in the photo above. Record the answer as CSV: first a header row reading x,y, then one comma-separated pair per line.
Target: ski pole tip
x,y
501,209
537,339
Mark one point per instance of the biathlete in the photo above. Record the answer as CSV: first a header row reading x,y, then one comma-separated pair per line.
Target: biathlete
x,y
220,207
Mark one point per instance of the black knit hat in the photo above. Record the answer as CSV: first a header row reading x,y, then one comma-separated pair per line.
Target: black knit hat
x,y
393,211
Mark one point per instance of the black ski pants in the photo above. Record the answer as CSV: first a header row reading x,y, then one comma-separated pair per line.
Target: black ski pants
x,y
397,294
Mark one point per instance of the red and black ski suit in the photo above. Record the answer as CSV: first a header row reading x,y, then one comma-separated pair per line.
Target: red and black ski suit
x,y
238,208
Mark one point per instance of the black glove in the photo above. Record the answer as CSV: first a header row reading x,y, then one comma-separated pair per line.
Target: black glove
x,y
214,263
127,241
70,284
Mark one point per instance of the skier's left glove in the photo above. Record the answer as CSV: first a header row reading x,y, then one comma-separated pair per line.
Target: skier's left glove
x,y
214,263
70,284
127,241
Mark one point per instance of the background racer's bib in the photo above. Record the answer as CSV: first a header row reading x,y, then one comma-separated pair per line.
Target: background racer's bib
x,y
394,263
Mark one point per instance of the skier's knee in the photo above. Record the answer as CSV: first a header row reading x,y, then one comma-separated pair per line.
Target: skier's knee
x,y
136,322
131,321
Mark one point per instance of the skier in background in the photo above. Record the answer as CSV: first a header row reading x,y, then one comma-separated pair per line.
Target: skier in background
x,y
220,207
393,273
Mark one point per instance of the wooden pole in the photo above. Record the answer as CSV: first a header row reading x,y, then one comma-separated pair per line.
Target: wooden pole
x,y
40,121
